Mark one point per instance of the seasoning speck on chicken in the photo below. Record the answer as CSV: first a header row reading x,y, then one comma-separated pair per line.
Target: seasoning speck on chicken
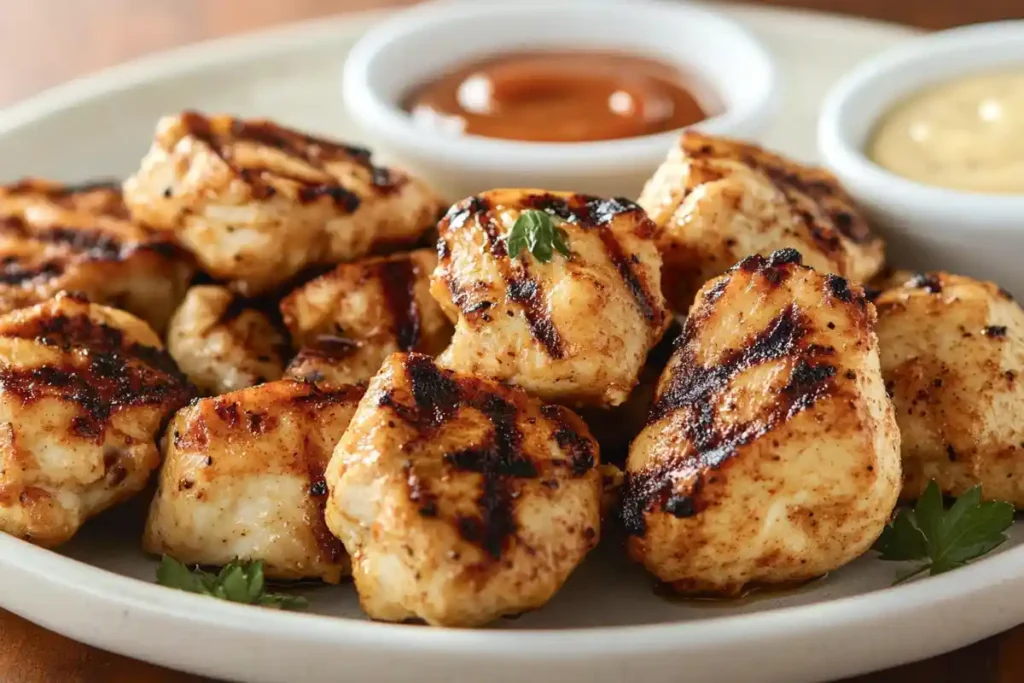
x,y
84,391
257,203
80,238
346,322
574,329
717,201
952,353
460,499
224,342
243,476
771,454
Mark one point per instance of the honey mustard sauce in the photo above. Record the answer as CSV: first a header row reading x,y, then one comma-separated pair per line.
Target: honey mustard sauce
x,y
965,134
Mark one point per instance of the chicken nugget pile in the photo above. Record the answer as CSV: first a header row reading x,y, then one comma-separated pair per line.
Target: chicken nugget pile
x,y
327,370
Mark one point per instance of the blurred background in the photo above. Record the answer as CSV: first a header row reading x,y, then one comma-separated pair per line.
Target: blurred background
x,y
45,42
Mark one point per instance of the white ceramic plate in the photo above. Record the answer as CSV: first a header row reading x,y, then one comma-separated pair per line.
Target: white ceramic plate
x,y
606,625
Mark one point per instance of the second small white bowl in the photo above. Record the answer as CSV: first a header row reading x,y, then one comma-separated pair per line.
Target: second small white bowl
x,y
926,227
423,43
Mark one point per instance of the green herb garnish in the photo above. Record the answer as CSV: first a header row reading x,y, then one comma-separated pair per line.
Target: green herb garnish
x,y
536,231
237,582
944,539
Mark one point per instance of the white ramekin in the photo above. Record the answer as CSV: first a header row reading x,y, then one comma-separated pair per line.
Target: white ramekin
x,y
422,43
926,226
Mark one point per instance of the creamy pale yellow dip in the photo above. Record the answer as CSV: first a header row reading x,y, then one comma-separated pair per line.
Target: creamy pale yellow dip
x,y
967,134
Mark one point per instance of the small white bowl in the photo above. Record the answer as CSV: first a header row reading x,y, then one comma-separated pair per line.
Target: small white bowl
x,y
926,226
423,43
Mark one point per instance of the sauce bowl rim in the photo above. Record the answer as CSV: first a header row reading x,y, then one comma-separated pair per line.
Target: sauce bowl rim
x,y
847,156
373,110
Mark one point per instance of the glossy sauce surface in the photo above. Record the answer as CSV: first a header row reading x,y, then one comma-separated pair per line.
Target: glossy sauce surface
x,y
561,97
966,134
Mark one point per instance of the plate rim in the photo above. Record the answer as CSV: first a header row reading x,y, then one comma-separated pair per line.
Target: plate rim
x,y
781,623
550,644
190,57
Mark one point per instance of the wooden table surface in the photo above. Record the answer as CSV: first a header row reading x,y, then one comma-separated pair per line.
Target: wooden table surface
x,y
45,42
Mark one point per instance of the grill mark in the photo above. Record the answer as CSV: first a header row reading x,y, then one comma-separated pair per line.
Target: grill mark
x,y
298,144
495,241
83,243
419,492
520,287
839,287
343,198
311,456
694,387
641,296
398,283
581,450
692,383
54,190
14,273
462,211
91,243
66,332
527,292
316,152
329,348
585,210
331,549
717,290
100,388
434,391
111,184
260,423
826,195
318,398
791,179
591,212
499,459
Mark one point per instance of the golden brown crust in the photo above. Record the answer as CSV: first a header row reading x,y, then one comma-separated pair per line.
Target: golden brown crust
x,y
574,329
717,200
257,202
244,477
952,351
118,368
80,238
460,499
84,391
225,342
347,321
770,455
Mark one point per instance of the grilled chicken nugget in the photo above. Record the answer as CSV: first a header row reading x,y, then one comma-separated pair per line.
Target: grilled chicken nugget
x,y
84,392
81,239
717,201
771,454
575,329
257,202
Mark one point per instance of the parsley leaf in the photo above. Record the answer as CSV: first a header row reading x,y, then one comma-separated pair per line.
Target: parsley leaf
x,y
901,540
237,581
537,232
944,539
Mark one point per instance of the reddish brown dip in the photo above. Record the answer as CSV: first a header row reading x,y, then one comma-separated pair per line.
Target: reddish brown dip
x,y
562,97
